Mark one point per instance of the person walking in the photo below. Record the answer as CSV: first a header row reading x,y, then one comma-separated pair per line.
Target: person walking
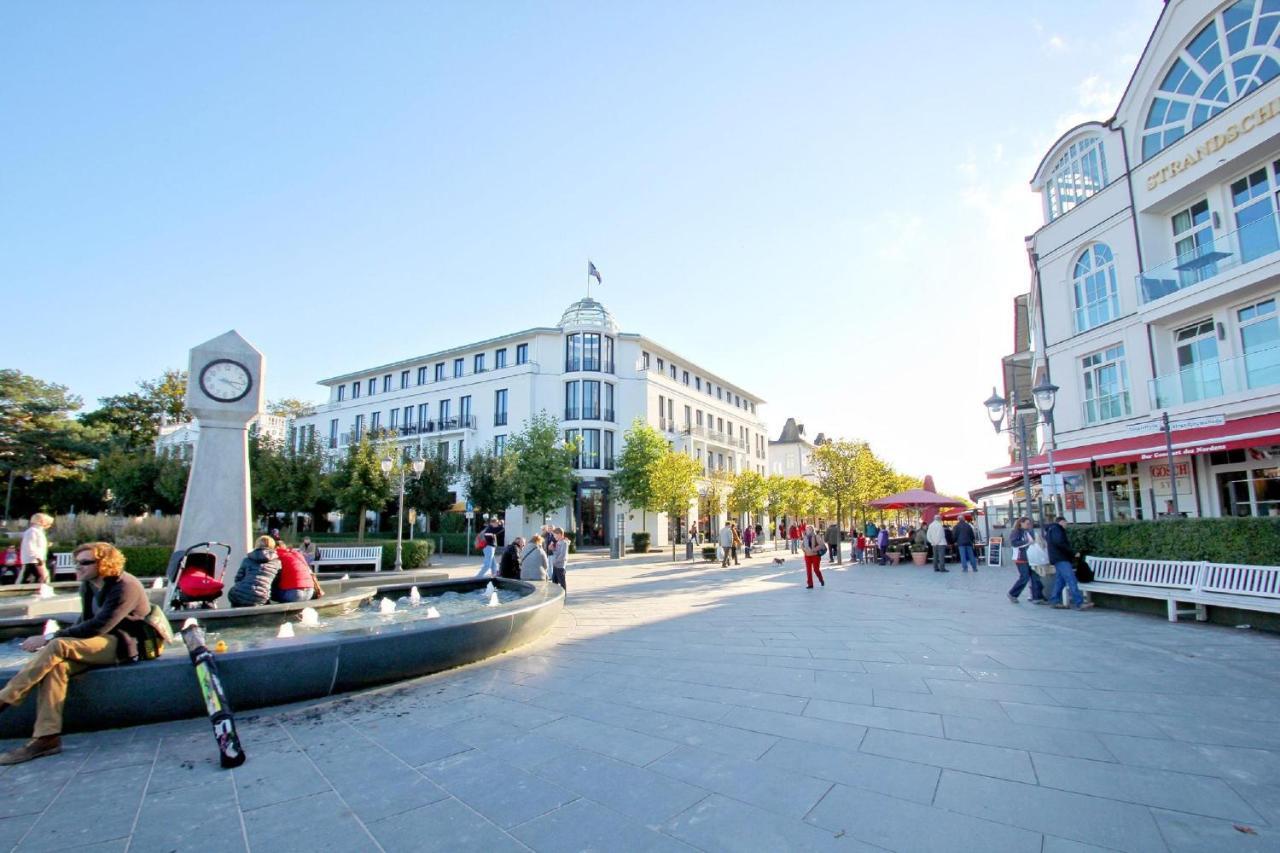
x,y
936,536
882,544
860,548
726,543
964,543
811,545
1019,541
833,543
492,530
748,539
559,559
34,550
1062,557
793,538
693,534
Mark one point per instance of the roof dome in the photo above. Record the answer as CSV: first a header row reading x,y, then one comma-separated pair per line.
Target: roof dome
x,y
588,313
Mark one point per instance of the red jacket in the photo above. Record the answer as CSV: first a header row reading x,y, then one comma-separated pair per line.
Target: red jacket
x,y
792,532
294,571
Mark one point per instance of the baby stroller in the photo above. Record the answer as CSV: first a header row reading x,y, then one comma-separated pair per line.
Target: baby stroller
x,y
195,576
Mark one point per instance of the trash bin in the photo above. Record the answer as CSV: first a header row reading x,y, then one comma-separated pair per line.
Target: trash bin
x,y
688,550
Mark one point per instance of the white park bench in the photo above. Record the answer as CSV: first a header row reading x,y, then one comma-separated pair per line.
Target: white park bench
x,y
63,564
349,556
1187,582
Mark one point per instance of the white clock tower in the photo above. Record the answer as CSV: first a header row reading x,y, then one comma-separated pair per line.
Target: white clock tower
x,y
224,393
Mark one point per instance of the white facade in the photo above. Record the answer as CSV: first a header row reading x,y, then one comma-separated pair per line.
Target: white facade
x,y
791,453
179,440
585,372
1158,272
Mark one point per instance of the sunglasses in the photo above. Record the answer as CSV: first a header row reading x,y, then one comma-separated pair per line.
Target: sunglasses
x,y
87,562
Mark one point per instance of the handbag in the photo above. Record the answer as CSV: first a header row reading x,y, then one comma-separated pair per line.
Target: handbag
x,y
1037,553
822,549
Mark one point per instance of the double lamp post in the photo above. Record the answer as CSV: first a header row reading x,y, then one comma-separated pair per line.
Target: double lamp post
x,y
1045,395
418,465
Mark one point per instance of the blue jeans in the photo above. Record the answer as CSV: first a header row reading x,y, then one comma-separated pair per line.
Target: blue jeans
x,y
968,556
489,564
1025,576
1066,577
291,595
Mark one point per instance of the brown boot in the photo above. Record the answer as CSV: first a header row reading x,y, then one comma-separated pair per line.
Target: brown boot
x,y
37,747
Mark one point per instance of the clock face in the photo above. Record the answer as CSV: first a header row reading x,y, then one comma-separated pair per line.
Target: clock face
x,y
225,380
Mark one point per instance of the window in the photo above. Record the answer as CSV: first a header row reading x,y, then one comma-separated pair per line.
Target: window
x,y
333,433
644,361
719,393
457,367
1193,244
477,363
572,352
684,376
442,451
662,366
404,379
500,407
408,416
699,417
464,411
375,421
591,400
1080,173
608,450
662,410
697,383
522,353
373,386
737,401
1230,57
355,389
591,351
342,393
461,445
608,401
424,417
1094,284
358,427
571,440
606,363
422,375
1260,340
673,373
499,445
499,359
1106,385
571,400
688,417
394,419
444,407
1199,377
440,372
719,424
590,452
1255,217
386,383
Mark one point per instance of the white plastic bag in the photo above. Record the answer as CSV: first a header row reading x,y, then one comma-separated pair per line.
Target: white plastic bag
x,y
720,553
1037,553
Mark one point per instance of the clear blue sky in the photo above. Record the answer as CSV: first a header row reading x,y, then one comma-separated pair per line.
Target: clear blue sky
x,y
823,201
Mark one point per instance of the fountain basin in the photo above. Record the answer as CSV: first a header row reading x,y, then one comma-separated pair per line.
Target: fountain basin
x,y
336,582
309,666
65,601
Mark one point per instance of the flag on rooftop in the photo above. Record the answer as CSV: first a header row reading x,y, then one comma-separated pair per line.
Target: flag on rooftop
x,y
592,271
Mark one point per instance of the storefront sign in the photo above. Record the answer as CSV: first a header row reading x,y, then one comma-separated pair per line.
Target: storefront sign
x,y
1149,427
1216,143
994,546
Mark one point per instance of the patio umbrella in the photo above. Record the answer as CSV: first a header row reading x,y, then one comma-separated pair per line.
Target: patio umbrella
x,y
917,500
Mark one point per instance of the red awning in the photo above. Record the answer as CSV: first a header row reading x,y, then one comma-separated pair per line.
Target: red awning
x,y
1232,435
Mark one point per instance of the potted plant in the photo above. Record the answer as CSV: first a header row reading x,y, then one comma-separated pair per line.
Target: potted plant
x,y
919,554
894,556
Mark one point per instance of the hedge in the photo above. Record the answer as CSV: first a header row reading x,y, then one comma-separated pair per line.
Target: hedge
x,y
145,561
1252,541
414,554
640,542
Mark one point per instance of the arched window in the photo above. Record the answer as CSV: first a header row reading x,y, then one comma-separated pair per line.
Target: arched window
x,y
1078,174
1235,53
1094,283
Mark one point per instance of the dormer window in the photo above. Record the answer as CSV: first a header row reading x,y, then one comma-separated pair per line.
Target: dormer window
x,y
1080,173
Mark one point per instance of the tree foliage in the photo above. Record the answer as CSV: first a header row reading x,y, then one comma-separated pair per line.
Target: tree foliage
x,y
132,421
642,448
673,484
489,481
359,483
429,492
748,493
136,482
544,466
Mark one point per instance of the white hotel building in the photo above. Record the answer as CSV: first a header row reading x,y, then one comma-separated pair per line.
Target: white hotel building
x,y
1157,273
594,378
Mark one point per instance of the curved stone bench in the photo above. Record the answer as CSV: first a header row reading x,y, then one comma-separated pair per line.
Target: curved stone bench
x,y
276,672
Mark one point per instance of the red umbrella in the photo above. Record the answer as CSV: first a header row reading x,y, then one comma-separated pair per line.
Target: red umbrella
x,y
917,500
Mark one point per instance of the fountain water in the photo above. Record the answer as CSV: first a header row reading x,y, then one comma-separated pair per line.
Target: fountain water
x,y
432,613
46,591
386,605
415,597
489,588
158,583
493,598
285,632
50,628
310,618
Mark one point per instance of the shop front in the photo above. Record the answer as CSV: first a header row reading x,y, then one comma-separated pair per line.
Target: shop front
x,y
590,512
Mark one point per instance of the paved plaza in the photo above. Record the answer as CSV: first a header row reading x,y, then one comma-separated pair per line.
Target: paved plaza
x,y
682,707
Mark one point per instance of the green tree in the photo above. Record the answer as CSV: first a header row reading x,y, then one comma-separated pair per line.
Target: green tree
x,y
288,407
38,439
642,448
543,464
717,488
747,493
836,464
775,487
132,420
359,481
673,484
429,492
489,482
139,481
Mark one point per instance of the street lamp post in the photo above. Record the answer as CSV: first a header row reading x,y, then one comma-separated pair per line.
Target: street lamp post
x,y
1045,395
418,465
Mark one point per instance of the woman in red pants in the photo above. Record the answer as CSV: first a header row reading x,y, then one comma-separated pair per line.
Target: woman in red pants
x,y
811,544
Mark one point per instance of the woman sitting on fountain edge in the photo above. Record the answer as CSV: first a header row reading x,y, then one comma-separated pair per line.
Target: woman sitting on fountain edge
x,y
114,607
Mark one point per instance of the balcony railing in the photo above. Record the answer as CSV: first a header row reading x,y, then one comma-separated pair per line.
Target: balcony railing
x,y
1217,378
500,419
1106,408
1219,253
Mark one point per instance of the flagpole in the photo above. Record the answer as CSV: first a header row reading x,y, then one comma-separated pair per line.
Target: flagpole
x,y
588,278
